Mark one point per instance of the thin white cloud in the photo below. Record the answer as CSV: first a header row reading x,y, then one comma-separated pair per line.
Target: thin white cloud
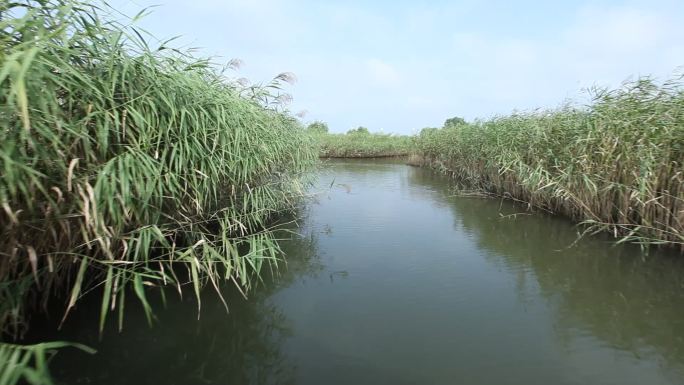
x,y
383,73
618,29
427,62
600,46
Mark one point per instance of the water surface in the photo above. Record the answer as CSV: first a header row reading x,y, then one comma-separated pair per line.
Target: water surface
x,y
397,281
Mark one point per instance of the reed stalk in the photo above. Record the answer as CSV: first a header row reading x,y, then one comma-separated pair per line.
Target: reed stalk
x,y
616,165
128,167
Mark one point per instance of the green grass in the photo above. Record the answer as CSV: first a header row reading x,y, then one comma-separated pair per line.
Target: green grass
x,y
616,165
363,145
128,167
30,363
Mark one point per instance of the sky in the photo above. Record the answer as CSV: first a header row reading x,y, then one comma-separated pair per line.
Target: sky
x,y
399,66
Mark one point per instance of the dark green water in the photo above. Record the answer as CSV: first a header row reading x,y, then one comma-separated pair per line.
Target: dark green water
x,y
397,282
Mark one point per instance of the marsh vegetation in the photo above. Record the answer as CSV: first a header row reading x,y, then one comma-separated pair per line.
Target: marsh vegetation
x,y
132,170
359,143
127,168
616,165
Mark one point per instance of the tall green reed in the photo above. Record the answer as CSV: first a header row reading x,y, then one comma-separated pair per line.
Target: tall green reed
x,y
616,165
127,167
362,144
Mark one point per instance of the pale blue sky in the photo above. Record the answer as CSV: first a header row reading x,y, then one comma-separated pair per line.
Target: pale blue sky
x,y
399,66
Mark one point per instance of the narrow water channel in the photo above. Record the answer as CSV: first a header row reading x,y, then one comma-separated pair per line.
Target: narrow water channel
x,y
396,281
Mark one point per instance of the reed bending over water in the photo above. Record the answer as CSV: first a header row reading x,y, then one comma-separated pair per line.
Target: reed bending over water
x,y
617,165
129,167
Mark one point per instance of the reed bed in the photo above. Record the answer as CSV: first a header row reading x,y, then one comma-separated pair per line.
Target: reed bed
x,y
361,144
127,167
616,165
